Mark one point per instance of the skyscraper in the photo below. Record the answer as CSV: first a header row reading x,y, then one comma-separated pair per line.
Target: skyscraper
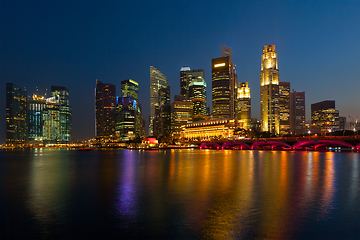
x,y
284,108
325,116
130,88
223,85
157,81
184,80
16,115
243,105
181,114
65,114
36,121
197,94
105,103
51,118
164,128
297,113
269,91
126,119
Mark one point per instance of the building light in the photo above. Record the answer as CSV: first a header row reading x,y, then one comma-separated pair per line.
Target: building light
x,y
219,65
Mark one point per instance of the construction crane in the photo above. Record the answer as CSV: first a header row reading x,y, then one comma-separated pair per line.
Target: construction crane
x,y
355,123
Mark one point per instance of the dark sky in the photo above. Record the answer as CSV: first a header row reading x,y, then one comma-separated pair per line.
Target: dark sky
x,y
73,43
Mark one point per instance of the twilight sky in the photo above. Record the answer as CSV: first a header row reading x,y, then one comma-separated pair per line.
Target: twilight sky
x,y
73,43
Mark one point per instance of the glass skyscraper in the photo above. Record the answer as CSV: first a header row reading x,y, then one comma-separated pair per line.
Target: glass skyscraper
x,y
130,88
65,113
243,105
157,81
36,121
197,94
51,118
223,85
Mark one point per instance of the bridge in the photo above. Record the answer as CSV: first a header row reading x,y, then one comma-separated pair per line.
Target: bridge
x,y
309,143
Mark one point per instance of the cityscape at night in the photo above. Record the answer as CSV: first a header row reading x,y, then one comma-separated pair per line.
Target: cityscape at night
x,y
179,119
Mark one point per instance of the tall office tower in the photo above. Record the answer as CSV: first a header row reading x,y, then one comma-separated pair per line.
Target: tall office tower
x,y
184,80
65,113
164,112
36,121
126,115
342,123
157,80
269,91
181,114
284,106
297,113
243,105
130,88
227,51
51,118
197,94
105,104
325,116
223,85
16,115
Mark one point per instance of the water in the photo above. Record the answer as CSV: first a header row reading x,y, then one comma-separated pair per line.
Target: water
x,y
179,194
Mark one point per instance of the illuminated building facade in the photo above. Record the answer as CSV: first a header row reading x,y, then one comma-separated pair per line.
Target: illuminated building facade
x,y
16,115
184,80
36,121
126,115
223,85
197,94
297,113
181,114
65,115
269,91
325,116
157,81
284,108
208,130
105,104
130,88
51,118
243,105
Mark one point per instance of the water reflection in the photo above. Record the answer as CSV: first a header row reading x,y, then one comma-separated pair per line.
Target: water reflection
x,y
181,194
48,188
126,192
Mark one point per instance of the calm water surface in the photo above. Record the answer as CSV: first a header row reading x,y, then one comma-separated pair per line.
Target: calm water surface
x,y
179,194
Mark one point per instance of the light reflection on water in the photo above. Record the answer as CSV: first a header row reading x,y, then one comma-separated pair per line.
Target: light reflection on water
x,y
208,194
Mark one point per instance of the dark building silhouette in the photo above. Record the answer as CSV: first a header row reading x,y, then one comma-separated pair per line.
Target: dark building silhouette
x,y
297,113
184,81
16,115
105,104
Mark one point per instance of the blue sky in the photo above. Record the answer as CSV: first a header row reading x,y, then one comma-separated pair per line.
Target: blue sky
x,y
73,43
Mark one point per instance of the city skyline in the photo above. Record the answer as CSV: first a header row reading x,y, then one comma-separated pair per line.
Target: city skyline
x,y
312,58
